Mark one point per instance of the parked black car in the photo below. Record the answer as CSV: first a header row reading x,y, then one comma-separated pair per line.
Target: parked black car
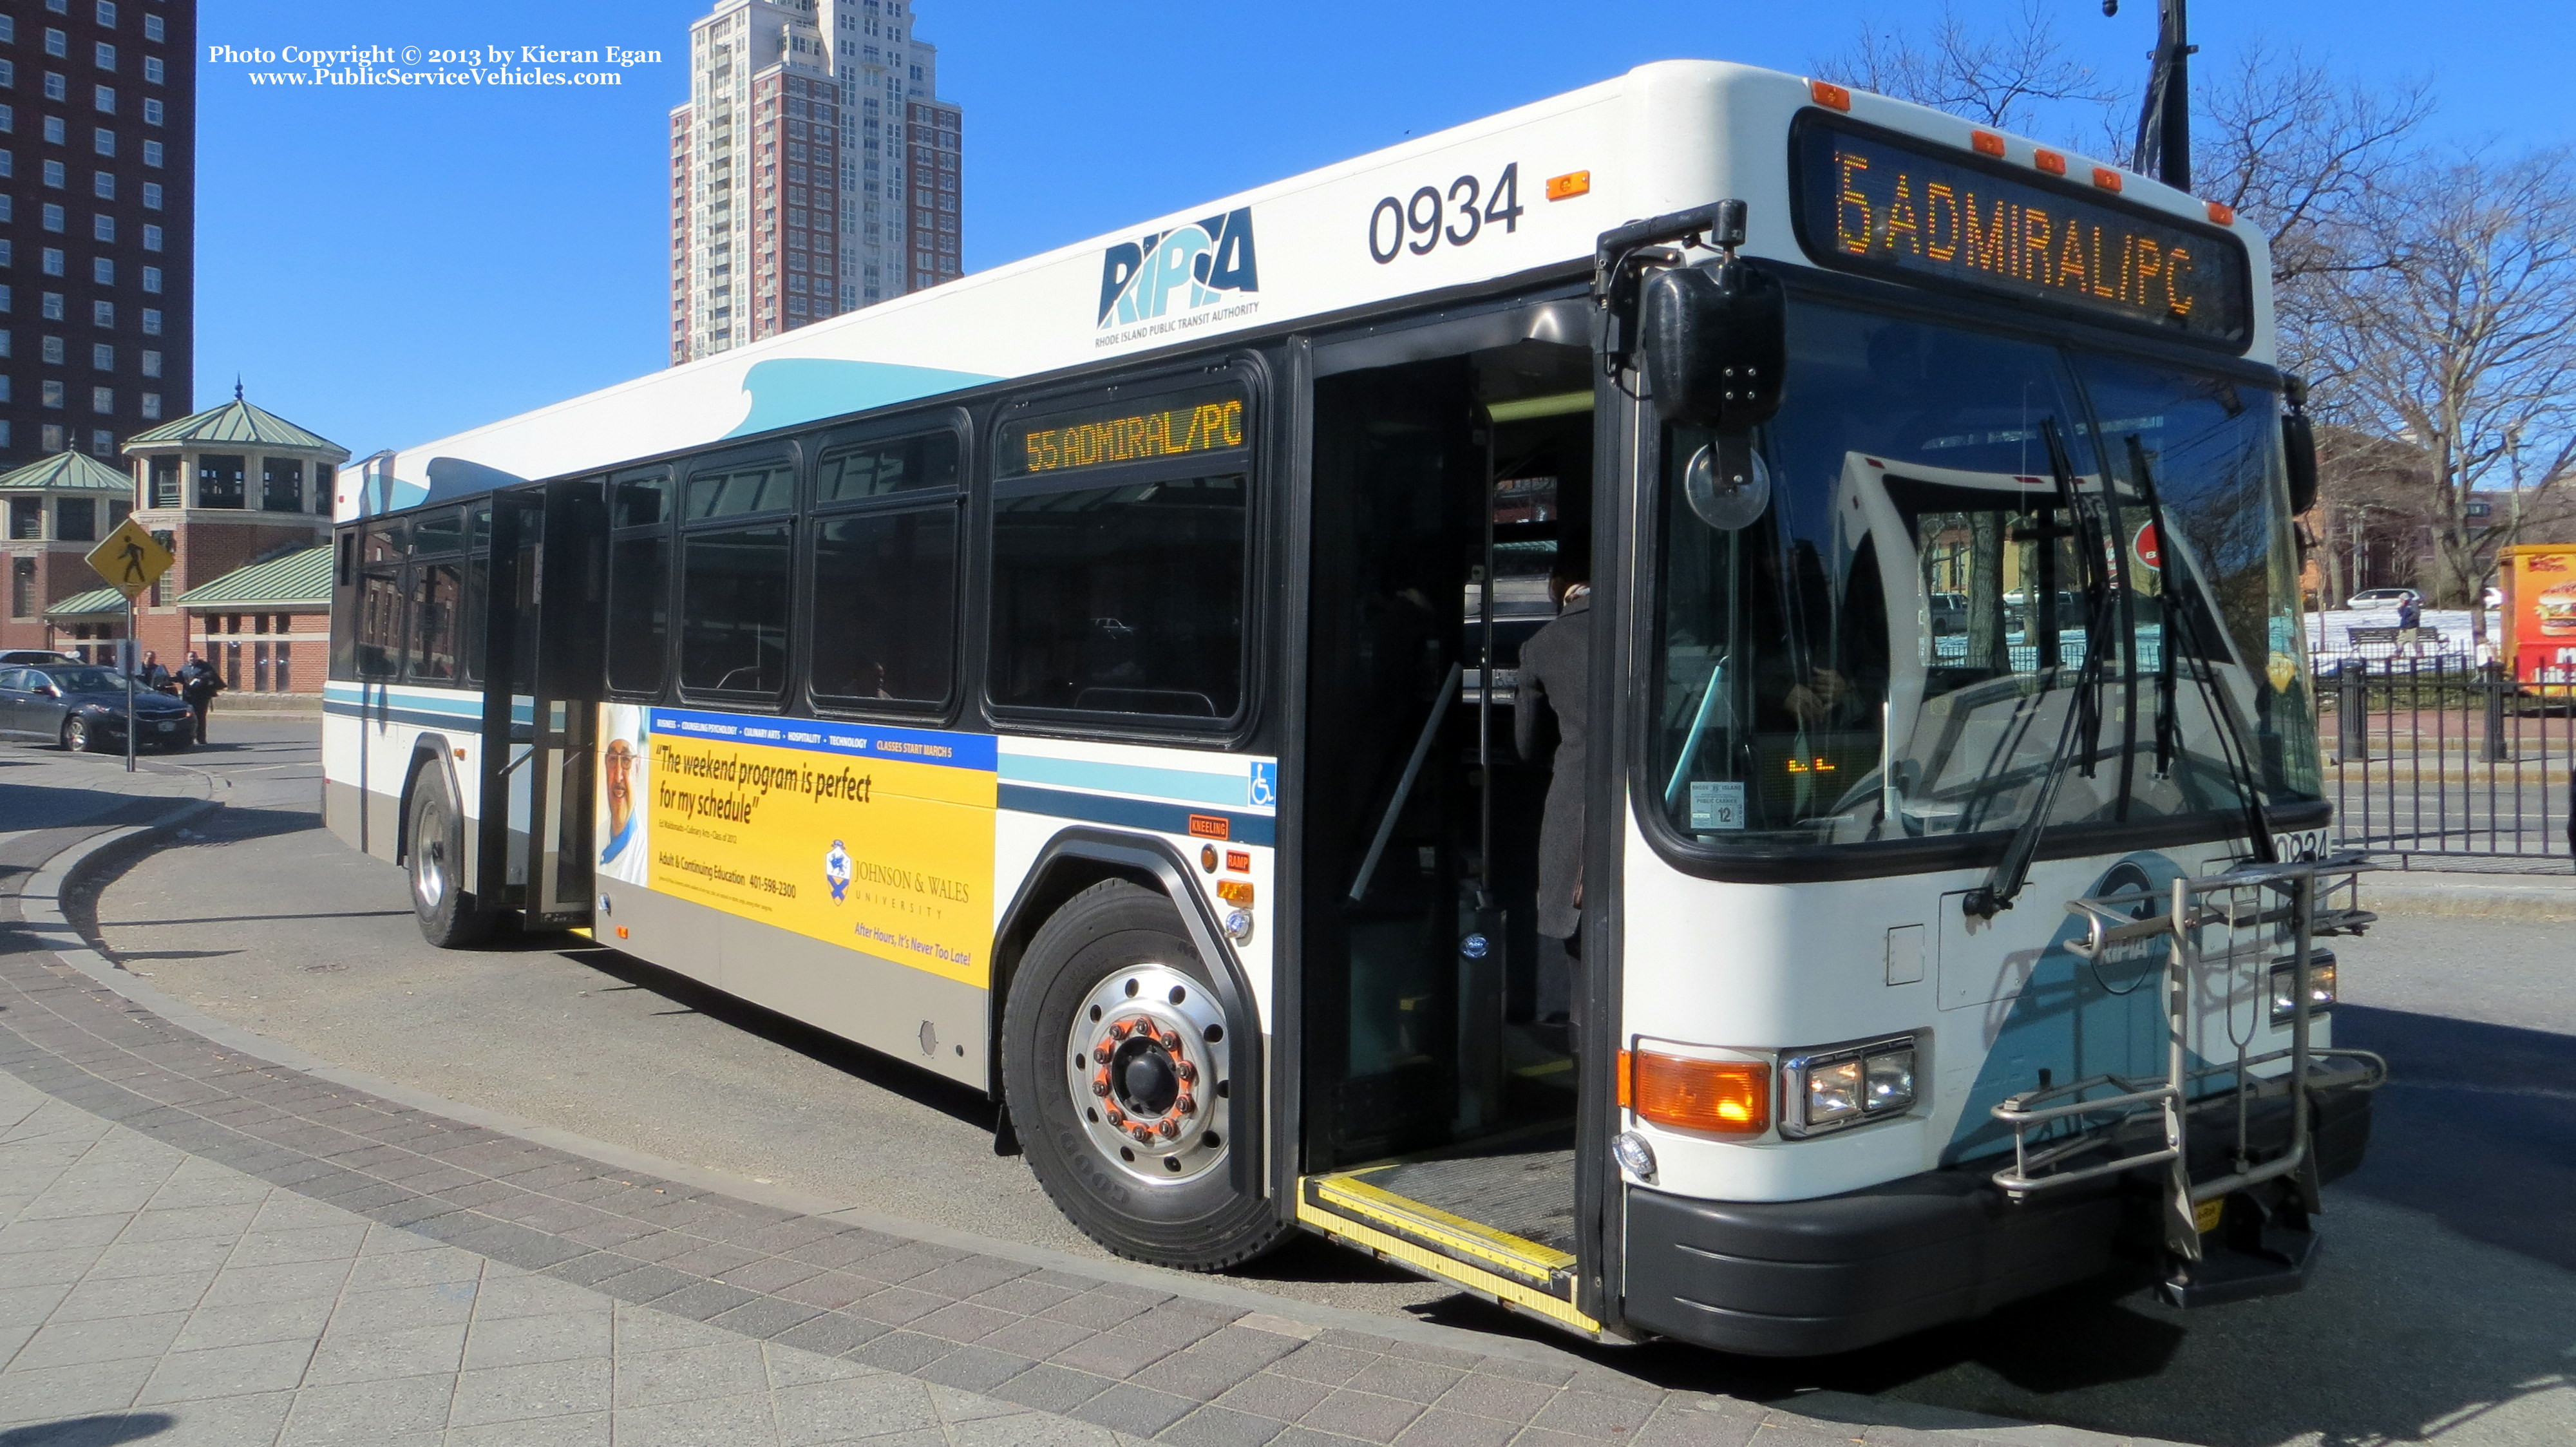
x,y
33,658
82,706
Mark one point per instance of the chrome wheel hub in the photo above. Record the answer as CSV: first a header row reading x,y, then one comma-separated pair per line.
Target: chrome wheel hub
x,y
429,855
1147,1067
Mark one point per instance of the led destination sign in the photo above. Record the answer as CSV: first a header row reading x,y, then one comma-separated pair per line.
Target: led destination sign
x,y
1915,213
1208,421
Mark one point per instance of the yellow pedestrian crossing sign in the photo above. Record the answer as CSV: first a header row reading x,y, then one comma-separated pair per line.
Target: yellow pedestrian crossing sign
x,y
131,559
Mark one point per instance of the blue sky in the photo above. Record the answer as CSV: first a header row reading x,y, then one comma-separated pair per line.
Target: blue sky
x,y
390,266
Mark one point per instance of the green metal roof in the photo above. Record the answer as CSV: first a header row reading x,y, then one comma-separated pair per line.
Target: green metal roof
x,y
301,577
70,472
83,605
236,423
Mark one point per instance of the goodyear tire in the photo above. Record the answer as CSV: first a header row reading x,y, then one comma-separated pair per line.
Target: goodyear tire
x,y
434,857
1116,1060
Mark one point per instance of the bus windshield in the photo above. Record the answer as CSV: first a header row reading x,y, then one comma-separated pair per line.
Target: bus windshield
x,y
1978,553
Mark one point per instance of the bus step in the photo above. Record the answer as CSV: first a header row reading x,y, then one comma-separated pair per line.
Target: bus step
x,y
1497,1265
2274,1262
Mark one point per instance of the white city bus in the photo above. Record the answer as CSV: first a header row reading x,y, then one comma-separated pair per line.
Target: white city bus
x,y
1095,681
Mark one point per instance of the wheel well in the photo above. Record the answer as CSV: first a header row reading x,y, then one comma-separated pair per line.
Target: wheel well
x,y
1059,879
427,752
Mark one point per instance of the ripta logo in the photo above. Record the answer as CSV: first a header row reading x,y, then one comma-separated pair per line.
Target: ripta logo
x,y
1208,259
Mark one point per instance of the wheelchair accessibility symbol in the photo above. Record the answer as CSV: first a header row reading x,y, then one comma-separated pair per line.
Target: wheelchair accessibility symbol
x,y
1265,785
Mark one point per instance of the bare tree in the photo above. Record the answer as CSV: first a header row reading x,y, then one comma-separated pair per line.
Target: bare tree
x,y
2296,151
2462,344
2011,77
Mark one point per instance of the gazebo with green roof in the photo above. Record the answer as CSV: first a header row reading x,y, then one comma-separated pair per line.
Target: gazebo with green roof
x,y
237,456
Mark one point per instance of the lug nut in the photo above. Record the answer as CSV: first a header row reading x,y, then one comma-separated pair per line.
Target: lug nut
x,y
1117,1117
1118,1029
1100,1054
1185,1105
1186,1071
1100,1085
1144,1134
1171,1129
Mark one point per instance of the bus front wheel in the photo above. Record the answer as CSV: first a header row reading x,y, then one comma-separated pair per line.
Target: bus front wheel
x,y
435,859
1118,1060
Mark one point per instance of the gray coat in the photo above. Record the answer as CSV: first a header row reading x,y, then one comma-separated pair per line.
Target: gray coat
x,y
1556,664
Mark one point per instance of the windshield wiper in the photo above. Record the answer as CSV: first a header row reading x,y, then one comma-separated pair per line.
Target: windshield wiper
x,y
2233,748
2083,716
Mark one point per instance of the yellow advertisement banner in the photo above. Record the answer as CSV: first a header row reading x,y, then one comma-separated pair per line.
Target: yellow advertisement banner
x,y
876,838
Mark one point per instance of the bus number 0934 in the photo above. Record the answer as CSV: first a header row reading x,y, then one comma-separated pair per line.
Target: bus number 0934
x,y
1433,216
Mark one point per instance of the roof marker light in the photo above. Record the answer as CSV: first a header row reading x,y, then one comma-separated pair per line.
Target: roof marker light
x,y
1987,143
2222,213
2049,161
2106,178
1829,95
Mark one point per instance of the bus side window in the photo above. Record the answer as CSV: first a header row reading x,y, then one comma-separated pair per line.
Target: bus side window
x,y
380,599
884,613
639,583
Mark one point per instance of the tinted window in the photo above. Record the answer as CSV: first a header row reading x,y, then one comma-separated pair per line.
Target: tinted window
x,y
636,502
733,592
885,605
767,488
1125,599
76,520
639,612
436,591
385,543
380,619
438,532
900,465
478,588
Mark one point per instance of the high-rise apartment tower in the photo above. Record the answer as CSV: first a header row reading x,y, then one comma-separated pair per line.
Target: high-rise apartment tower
x,y
814,169
98,124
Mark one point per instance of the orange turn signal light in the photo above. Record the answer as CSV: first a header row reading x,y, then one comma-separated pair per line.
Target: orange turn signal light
x,y
1723,1097
2049,161
1829,94
1236,892
2222,213
1569,185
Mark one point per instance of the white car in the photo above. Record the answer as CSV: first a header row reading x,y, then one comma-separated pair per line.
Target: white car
x,y
2383,598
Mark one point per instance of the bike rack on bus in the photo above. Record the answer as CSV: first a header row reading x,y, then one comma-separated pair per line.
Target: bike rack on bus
x,y
2225,936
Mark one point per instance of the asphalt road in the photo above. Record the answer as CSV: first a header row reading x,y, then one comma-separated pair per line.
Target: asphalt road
x,y
2443,1308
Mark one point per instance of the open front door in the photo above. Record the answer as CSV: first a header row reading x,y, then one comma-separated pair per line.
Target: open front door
x,y
1451,501
544,623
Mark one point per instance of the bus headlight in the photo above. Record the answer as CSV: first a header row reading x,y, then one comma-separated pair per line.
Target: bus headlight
x,y
2321,986
1828,1090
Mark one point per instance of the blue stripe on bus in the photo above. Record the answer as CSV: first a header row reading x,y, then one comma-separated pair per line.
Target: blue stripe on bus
x,y
447,704
829,736
1188,785
1136,813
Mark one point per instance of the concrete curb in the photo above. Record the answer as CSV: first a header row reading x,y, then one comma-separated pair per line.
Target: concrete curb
x,y
2456,895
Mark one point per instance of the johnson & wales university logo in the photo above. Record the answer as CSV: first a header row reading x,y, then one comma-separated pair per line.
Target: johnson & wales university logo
x,y
836,870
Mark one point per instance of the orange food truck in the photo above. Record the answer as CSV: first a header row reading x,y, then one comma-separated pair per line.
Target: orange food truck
x,y
2540,615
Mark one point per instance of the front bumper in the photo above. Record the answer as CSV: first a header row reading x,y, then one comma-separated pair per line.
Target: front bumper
x,y
1806,1278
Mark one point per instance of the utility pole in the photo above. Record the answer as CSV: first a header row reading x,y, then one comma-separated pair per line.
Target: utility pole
x,y
2163,148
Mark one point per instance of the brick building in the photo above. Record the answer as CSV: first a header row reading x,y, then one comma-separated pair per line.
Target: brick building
x,y
227,488
52,512
98,109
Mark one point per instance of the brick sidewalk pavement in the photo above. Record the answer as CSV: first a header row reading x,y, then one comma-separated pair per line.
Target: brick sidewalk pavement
x,y
165,1198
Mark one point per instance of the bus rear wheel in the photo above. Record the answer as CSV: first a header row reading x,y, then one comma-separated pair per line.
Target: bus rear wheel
x,y
435,858
1118,1063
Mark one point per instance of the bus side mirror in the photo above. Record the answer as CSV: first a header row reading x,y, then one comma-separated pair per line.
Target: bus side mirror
x,y
2299,446
1715,344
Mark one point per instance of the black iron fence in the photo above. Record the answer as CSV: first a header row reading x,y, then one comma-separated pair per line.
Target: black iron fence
x,y
2435,755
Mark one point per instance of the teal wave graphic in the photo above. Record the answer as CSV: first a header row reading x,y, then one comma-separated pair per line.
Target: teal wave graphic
x,y
789,390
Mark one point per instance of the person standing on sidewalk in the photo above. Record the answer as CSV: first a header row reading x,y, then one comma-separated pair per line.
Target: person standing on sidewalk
x,y
198,685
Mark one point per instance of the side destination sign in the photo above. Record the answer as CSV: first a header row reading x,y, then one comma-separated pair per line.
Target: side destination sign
x,y
877,838
1871,201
